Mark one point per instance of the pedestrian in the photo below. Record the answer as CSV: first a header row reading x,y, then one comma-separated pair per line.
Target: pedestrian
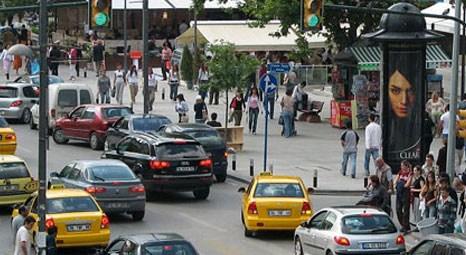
x,y
75,55
174,82
349,141
237,106
152,87
24,244
373,142
442,158
444,182
119,83
428,133
271,98
214,95
428,196
203,81
182,108
18,220
384,172
17,63
55,57
459,146
213,121
446,212
104,85
133,80
445,122
23,35
300,97
286,115
435,107
429,165
200,110
6,60
417,183
253,110
98,54
402,186
458,184
166,59
51,241
376,195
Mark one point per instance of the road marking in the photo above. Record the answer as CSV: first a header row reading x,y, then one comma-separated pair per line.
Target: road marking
x,y
203,223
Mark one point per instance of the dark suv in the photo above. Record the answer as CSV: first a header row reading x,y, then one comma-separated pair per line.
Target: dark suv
x,y
166,164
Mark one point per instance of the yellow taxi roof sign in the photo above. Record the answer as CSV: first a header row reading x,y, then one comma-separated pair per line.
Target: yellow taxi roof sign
x,y
266,174
57,186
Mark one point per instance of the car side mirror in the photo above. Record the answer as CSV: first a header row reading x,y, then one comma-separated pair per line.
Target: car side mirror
x,y
305,224
54,175
161,128
242,190
310,190
67,115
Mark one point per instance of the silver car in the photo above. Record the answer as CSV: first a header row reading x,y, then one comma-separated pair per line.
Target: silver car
x,y
16,101
111,182
349,230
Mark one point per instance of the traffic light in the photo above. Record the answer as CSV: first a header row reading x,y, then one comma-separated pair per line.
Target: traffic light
x,y
313,14
461,124
99,13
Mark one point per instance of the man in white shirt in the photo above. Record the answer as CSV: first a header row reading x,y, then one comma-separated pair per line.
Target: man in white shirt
x,y
444,122
24,239
373,142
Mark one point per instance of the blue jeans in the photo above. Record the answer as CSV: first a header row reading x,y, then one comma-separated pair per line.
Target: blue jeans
x,y
287,124
346,156
367,158
253,114
104,97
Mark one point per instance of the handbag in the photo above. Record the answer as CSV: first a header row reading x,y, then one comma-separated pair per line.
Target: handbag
x,y
281,121
113,91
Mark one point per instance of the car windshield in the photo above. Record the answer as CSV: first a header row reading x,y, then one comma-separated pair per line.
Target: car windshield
x,y
52,79
8,92
110,173
3,123
115,112
71,204
367,224
178,248
13,170
149,124
175,150
202,133
278,190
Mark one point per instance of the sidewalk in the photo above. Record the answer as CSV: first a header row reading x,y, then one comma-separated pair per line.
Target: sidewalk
x,y
317,146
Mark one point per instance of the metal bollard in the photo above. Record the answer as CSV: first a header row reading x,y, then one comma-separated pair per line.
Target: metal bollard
x,y
314,179
271,168
85,72
163,93
251,167
366,181
233,162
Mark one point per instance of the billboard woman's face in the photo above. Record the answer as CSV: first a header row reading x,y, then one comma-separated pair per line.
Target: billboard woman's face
x,y
401,94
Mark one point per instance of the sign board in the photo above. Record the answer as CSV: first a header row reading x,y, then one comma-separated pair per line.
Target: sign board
x,y
268,83
177,56
278,67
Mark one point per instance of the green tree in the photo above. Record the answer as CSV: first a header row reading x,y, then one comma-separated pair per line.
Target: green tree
x,y
187,72
14,3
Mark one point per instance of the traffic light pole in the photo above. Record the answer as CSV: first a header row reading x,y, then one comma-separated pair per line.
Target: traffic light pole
x,y
125,38
145,66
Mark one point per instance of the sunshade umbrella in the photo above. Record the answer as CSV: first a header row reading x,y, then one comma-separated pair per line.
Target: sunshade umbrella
x,y
20,50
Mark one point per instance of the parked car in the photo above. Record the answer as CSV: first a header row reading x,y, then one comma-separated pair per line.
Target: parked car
x,y
354,229
210,140
35,79
157,244
16,101
133,123
16,182
88,123
63,98
166,164
111,182
7,138
452,244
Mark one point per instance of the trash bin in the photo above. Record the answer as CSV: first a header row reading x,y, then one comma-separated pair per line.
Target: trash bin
x,y
428,226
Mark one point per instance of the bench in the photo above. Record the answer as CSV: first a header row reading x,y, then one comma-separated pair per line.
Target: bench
x,y
311,114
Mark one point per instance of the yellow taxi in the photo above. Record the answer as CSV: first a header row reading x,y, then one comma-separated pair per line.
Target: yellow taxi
x,y
7,138
274,203
16,183
79,220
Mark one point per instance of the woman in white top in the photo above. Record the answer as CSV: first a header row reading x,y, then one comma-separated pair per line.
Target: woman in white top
x,y
182,109
435,107
119,83
6,59
152,87
174,82
203,80
133,79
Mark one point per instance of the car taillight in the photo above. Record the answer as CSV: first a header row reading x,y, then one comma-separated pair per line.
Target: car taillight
x,y
53,113
137,189
179,141
252,208
10,137
306,209
16,103
49,223
340,240
104,222
225,154
158,164
400,240
94,190
205,163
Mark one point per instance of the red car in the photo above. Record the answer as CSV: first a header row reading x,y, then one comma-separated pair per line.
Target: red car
x,y
88,123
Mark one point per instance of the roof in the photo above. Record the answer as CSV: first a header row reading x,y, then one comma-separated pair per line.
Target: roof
x,y
153,237
191,126
15,84
173,4
158,139
246,38
150,115
60,193
355,209
442,25
99,162
106,105
277,178
458,239
10,158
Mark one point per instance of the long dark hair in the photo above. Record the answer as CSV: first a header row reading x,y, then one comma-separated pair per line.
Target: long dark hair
x,y
133,70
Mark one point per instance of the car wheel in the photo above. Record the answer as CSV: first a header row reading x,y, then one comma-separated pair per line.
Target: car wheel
x,y
26,117
248,233
32,125
138,216
95,142
221,177
59,137
201,194
298,247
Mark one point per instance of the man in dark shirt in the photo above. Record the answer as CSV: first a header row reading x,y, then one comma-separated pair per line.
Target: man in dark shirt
x,y
444,181
98,55
442,158
23,36
214,122
55,57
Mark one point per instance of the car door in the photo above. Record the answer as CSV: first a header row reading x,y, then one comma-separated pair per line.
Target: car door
x,y
115,247
440,249
322,235
118,131
75,179
423,248
138,155
308,238
125,151
69,125
85,123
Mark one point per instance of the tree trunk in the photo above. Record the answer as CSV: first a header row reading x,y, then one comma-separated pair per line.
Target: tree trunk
x,y
226,116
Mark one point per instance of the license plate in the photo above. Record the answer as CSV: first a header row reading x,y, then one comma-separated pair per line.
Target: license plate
x,y
185,169
78,227
9,188
278,213
117,205
370,246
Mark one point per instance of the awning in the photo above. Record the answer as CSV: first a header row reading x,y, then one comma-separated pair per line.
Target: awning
x,y
369,57
172,4
442,25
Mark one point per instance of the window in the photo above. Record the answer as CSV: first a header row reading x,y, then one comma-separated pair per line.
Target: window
x,y
456,251
116,247
124,145
329,221
440,249
71,205
67,98
316,222
367,224
75,174
84,97
122,123
67,170
130,248
89,114
13,170
77,113
33,207
28,91
8,92
182,248
202,133
278,190
115,112
182,150
138,146
112,173
149,124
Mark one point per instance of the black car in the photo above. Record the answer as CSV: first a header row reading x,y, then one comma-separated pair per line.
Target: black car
x,y
166,164
133,123
452,244
209,138
157,244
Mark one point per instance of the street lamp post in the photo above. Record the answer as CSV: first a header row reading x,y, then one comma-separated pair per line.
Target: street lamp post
x,y
125,35
145,64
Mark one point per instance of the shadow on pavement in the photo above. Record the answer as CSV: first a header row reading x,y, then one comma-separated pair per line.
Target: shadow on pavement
x,y
274,235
